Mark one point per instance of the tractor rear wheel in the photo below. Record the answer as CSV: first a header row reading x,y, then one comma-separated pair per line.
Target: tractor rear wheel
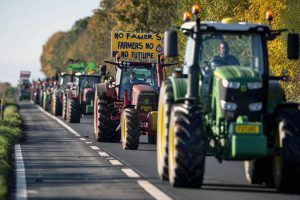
x,y
258,171
187,147
286,167
104,127
130,130
73,111
56,106
166,100
64,108
151,139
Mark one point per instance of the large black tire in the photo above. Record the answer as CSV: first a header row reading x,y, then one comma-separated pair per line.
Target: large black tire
x,y
286,167
259,171
166,100
186,146
41,98
56,106
130,130
48,102
151,139
64,108
104,127
73,111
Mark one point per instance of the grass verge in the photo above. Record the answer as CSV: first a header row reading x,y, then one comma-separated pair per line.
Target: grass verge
x,y
10,132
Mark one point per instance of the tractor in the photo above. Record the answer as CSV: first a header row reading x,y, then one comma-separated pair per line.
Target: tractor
x,y
79,95
126,108
231,109
57,96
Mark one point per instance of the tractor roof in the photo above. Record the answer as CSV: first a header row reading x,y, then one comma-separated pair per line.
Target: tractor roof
x,y
208,26
128,64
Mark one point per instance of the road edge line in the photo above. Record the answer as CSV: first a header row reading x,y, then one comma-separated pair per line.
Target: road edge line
x,y
21,186
153,191
60,122
130,173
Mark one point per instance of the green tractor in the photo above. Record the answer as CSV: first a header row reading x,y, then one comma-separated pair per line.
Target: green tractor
x,y
79,94
227,105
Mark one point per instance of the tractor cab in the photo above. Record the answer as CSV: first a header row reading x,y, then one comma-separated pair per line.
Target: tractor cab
x,y
137,74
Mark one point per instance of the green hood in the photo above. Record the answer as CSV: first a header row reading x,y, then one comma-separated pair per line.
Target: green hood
x,y
234,73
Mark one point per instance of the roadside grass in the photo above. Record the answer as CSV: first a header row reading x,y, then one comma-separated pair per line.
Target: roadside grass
x,y
10,132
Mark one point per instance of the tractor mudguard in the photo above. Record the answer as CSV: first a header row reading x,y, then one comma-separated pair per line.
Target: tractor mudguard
x,y
129,106
179,87
105,89
275,96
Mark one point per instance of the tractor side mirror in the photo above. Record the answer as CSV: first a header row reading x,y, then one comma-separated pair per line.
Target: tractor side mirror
x,y
293,46
102,70
170,43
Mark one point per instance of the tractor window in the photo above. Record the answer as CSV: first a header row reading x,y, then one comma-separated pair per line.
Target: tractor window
x,y
88,81
64,80
138,75
221,49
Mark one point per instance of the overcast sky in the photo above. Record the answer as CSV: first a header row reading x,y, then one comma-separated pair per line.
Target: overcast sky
x,y
26,25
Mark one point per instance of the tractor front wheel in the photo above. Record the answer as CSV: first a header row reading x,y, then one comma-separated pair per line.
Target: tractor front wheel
x,y
104,127
258,171
286,167
166,100
73,111
64,108
130,131
186,147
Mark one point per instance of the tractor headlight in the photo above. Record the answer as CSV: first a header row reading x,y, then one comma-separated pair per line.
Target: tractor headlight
x,y
255,106
231,84
228,106
254,85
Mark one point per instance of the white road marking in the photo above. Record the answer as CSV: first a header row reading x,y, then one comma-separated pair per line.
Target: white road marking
x,y
21,188
88,142
130,173
153,191
60,122
146,185
103,154
83,139
32,192
94,147
115,162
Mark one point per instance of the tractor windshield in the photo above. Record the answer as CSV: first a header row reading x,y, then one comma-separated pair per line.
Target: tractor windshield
x,y
221,49
64,80
138,75
88,81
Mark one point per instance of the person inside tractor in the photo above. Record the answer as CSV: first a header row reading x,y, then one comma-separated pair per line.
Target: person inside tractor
x,y
224,58
133,80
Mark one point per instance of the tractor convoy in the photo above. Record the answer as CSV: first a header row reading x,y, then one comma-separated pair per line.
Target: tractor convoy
x,y
224,104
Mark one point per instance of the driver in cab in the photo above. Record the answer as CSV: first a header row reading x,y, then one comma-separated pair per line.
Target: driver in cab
x,y
133,80
224,58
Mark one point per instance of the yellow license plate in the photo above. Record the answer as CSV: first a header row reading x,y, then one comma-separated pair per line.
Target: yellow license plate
x,y
146,108
247,129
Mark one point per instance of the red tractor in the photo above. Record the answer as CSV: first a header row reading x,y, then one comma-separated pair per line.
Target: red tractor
x,y
126,105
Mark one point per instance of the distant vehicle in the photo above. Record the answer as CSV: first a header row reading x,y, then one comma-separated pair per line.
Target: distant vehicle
x,y
24,85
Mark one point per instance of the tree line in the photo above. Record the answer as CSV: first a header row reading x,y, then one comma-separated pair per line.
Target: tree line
x,y
89,38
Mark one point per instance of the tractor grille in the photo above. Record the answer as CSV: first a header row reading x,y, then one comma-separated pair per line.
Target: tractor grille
x,y
242,99
89,96
146,102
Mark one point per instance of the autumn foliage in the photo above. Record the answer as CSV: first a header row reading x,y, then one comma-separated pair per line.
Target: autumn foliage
x,y
89,38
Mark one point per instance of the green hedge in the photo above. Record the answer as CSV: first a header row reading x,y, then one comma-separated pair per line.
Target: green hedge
x,y
10,132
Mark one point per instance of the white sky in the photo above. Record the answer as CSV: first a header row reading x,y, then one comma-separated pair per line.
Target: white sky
x,y
26,25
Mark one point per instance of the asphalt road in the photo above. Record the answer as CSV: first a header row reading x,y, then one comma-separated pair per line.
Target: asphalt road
x,y
60,165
